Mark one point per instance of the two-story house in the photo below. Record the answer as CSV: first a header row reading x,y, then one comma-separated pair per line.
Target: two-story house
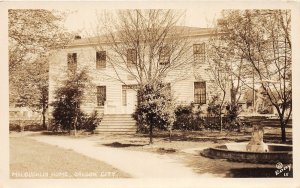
x,y
117,99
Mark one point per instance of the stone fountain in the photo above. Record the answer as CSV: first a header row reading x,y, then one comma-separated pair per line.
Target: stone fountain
x,y
256,143
254,151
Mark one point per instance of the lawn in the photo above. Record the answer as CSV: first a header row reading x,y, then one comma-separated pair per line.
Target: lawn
x,y
28,155
182,143
31,159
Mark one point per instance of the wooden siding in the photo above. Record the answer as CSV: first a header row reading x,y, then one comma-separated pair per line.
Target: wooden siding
x,y
183,89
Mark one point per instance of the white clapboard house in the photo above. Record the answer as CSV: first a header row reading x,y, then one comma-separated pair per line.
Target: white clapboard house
x,y
116,100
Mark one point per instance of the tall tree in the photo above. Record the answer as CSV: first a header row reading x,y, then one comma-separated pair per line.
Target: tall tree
x,y
146,44
219,68
32,33
263,37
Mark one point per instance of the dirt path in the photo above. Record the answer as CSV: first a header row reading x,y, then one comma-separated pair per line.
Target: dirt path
x,y
138,164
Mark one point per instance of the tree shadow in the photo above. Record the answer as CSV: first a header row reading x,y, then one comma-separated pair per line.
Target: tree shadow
x,y
121,145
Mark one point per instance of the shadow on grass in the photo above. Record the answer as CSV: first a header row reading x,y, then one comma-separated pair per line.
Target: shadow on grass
x,y
54,133
216,137
120,145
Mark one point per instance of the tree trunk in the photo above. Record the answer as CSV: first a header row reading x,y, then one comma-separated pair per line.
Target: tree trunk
x,y
151,134
44,117
75,124
221,106
170,135
44,122
283,134
221,123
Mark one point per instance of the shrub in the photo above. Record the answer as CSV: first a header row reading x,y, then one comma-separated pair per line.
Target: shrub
x,y
26,126
155,109
212,121
90,123
34,127
14,127
232,111
67,114
213,108
230,119
188,117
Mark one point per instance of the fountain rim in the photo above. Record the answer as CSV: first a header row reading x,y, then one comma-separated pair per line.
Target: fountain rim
x,y
253,152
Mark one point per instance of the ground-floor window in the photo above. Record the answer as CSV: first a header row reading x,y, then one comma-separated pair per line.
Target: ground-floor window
x,y
101,95
200,92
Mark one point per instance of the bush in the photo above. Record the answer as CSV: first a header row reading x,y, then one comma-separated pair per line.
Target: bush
x,y
90,123
232,112
27,126
85,122
67,114
213,108
34,127
14,127
231,121
155,109
212,121
188,117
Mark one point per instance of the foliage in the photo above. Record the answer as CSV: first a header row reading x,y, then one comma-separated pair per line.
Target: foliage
x,y
231,117
214,112
67,114
14,127
32,33
155,109
27,126
232,111
89,122
263,40
213,108
188,117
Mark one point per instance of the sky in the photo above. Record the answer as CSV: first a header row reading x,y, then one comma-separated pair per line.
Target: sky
x,y
83,20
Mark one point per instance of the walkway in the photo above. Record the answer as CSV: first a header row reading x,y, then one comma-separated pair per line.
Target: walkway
x,y
138,164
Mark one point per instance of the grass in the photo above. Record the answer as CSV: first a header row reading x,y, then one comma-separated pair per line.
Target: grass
x,y
182,141
32,159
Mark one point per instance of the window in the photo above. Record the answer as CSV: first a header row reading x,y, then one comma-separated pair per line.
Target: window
x,y
72,61
164,56
100,59
101,95
199,53
124,97
200,92
131,56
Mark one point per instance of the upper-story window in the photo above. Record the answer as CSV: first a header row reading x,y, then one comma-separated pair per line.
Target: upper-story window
x,y
164,55
131,57
100,59
199,52
72,61
200,92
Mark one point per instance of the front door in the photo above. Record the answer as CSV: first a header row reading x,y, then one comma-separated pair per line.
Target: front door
x,y
129,100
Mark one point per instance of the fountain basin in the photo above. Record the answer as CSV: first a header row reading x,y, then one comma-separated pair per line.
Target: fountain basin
x,y
237,152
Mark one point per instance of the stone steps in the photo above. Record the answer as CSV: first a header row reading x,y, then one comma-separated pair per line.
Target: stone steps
x,y
117,123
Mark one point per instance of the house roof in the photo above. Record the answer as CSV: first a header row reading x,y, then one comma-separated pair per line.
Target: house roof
x,y
182,30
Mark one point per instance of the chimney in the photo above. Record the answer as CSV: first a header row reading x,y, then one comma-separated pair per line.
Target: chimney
x,y
77,37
